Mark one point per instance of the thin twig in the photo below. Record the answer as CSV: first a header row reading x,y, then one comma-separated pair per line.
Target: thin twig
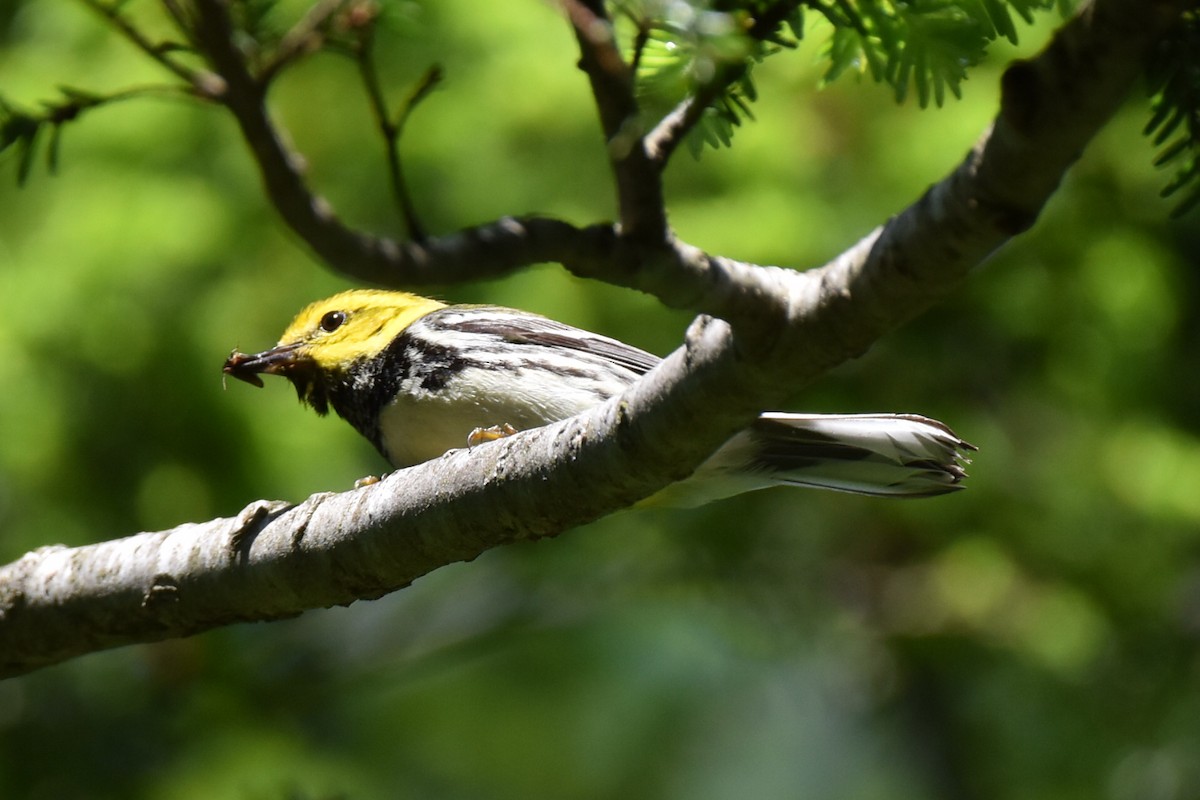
x,y
201,83
365,58
305,37
77,102
640,39
424,87
673,128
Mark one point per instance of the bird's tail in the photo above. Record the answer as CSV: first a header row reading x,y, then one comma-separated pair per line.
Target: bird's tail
x,y
887,455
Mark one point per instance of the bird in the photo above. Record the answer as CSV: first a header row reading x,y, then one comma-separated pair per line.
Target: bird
x,y
418,377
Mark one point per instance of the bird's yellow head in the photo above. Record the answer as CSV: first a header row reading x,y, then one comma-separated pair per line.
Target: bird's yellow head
x,y
329,337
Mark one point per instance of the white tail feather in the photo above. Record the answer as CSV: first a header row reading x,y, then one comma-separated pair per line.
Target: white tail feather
x,y
890,455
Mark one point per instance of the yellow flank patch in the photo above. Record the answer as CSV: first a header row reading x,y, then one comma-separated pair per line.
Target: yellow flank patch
x,y
354,324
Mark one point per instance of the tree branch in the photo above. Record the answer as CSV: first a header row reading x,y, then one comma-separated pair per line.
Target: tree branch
x,y
486,250
788,328
1051,107
642,211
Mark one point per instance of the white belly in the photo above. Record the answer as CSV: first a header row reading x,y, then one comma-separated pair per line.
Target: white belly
x,y
418,426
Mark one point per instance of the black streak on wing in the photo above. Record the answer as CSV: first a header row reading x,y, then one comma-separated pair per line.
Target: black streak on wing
x,y
535,330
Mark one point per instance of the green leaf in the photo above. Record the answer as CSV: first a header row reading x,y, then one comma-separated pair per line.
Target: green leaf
x,y
924,44
1178,147
1189,203
795,22
1000,20
1159,116
26,149
1174,125
1181,179
52,149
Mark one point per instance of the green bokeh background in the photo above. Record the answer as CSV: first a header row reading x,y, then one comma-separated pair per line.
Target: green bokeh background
x,y
1037,636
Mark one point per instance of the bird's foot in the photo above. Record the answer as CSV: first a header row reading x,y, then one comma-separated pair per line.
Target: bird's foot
x,y
481,435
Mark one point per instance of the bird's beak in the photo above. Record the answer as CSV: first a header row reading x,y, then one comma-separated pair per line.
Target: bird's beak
x,y
278,360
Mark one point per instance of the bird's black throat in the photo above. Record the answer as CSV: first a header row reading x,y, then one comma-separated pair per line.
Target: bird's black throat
x,y
360,392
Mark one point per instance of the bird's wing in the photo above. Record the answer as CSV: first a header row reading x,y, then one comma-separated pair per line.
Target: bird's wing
x,y
518,327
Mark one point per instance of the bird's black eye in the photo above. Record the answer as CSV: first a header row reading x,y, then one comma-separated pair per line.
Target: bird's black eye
x,y
332,321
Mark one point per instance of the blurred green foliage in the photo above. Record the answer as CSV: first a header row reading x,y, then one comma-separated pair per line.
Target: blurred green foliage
x,y
1033,637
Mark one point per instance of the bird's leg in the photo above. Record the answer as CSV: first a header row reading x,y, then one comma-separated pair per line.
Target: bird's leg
x,y
481,435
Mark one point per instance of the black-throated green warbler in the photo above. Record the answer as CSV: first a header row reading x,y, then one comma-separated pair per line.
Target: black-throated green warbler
x,y
418,377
